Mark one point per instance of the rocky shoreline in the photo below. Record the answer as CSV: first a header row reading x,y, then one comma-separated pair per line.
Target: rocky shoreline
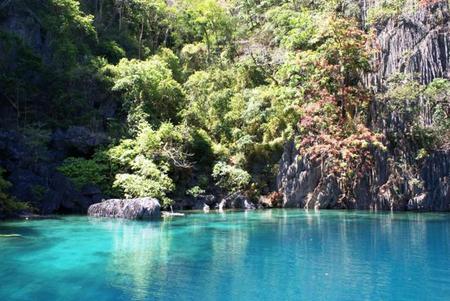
x,y
150,209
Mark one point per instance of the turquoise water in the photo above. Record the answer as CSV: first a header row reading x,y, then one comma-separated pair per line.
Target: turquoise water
x,y
262,255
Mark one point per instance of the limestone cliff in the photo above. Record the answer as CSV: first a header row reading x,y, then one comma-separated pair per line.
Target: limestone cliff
x,y
415,43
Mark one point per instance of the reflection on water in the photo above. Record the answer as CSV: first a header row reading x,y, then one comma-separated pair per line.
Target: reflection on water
x,y
255,255
132,263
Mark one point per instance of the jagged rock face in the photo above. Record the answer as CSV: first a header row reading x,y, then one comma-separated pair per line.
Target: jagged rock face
x,y
77,141
415,43
384,188
436,178
36,180
141,208
25,24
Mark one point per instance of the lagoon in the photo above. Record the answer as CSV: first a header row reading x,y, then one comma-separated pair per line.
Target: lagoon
x,y
254,255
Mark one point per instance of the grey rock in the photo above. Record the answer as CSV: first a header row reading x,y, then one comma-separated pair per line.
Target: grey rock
x,y
417,43
196,203
297,178
222,205
327,195
236,201
384,188
77,141
140,208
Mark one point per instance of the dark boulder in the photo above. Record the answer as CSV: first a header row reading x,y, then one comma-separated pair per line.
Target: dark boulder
x,y
236,201
196,203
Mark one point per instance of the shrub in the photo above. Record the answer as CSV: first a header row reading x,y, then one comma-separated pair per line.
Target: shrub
x,y
230,178
8,204
148,88
384,10
195,191
146,180
98,170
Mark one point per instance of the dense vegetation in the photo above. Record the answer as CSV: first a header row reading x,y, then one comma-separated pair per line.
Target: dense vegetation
x,y
208,91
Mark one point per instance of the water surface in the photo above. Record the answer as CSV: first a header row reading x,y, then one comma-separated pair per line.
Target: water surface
x,y
261,255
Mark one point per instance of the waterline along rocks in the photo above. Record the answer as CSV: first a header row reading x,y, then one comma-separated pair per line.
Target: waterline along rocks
x,y
139,208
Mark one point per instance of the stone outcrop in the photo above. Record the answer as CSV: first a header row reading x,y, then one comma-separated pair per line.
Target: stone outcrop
x,y
196,203
416,43
141,208
385,188
35,177
77,141
236,201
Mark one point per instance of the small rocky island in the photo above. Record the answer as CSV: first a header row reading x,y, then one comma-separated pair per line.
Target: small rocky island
x,y
141,209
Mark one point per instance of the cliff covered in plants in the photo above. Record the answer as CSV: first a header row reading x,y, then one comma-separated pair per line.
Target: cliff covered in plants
x,y
329,104
409,109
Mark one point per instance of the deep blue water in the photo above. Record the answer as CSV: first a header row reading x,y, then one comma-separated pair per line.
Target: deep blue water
x,y
262,255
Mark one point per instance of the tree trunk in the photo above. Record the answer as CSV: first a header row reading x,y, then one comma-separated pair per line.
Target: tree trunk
x,y
140,38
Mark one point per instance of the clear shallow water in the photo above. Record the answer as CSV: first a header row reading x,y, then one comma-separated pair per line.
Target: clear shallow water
x,y
262,255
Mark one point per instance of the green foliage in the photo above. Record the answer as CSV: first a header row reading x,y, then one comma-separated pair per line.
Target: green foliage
x,y
83,171
383,10
405,96
16,87
209,20
230,178
37,138
144,164
195,191
202,82
149,91
421,154
99,171
293,29
173,63
39,191
201,146
401,88
437,93
325,73
147,179
194,57
74,30
8,205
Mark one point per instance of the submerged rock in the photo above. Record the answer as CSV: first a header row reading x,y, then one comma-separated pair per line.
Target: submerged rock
x,y
140,208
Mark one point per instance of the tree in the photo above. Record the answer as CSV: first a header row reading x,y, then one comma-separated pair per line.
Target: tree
x,y
149,91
